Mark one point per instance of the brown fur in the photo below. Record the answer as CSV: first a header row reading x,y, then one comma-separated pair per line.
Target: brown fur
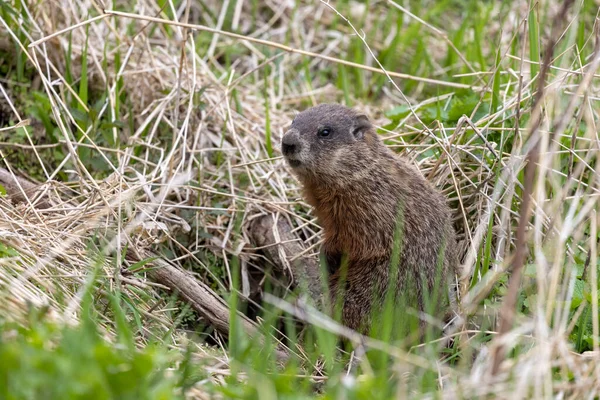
x,y
356,186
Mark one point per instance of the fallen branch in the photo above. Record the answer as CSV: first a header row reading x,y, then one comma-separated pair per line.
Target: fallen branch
x,y
20,190
199,296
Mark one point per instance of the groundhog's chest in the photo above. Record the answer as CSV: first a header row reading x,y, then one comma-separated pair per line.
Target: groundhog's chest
x,y
353,226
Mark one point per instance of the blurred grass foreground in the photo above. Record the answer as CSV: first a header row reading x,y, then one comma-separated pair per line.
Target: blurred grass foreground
x,y
139,142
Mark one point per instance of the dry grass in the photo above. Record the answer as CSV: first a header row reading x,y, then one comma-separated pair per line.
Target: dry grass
x,y
193,168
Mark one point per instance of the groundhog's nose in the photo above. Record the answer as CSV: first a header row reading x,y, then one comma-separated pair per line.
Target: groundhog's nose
x,y
290,142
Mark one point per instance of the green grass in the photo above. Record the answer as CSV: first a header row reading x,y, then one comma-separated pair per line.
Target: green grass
x,y
44,359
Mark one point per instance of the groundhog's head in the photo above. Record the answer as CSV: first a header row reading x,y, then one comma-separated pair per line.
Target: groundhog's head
x,y
328,140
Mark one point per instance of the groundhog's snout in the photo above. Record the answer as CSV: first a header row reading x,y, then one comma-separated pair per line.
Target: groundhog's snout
x,y
290,143
292,148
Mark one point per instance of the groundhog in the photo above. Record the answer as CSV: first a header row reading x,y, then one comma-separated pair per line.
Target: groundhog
x,y
369,202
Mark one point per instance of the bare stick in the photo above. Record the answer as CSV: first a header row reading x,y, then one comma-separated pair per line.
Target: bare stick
x,y
200,297
21,190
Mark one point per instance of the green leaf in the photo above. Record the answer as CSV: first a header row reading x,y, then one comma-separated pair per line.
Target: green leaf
x,y
578,293
398,112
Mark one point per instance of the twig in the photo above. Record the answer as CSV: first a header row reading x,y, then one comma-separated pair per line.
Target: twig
x,y
67,29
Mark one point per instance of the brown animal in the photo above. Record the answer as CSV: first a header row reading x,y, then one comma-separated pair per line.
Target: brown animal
x,y
364,197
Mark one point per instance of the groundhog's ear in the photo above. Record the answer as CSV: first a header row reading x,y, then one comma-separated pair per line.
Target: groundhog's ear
x,y
361,126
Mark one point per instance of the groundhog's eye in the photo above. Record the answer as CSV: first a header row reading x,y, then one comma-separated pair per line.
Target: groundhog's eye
x,y
324,132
